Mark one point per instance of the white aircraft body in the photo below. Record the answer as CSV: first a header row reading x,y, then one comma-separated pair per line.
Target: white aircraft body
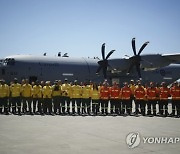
x,y
150,67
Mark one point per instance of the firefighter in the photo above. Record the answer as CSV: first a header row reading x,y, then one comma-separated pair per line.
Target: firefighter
x,y
56,95
86,98
76,97
126,95
27,96
175,94
15,91
95,96
104,96
37,97
152,95
4,95
163,102
47,96
115,98
139,94
66,92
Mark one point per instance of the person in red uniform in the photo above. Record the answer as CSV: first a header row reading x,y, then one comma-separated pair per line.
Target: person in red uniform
x,y
152,96
126,95
175,94
163,96
104,96
139,94
115,98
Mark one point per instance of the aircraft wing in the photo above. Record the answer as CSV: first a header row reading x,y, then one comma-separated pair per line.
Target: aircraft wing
x,y
151,61
174,58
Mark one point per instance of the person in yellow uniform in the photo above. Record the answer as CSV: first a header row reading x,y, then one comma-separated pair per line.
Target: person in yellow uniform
x,y
66,93
56,95
47,96
15,91
86,98
95,96
4,94
76,97
27,96
37,97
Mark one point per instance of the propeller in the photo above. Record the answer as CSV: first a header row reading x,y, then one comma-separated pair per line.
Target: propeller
x,y
136,59
103,64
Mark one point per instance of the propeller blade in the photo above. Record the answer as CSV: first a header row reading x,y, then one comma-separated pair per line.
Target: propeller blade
x,y
142,48
104,72
138,69
130,68
134,46
103,51
98,70
109,54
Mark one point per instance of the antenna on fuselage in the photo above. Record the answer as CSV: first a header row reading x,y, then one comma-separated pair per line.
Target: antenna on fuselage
x,y
65,55
59,54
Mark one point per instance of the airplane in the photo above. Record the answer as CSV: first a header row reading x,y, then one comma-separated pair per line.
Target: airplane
x,y
150,67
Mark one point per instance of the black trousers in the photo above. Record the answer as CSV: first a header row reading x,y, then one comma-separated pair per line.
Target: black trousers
x,y
175,107
86,105
27,101
57,104
95,106
163,107
16,102
140,104
152,103
126,105
104,106
115,105
38,103
47,106
4,105
65,102
76,101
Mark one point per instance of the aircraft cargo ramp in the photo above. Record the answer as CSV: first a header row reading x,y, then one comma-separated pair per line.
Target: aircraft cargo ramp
x,y
87,135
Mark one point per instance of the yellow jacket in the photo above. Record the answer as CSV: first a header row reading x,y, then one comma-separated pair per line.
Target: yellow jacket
x,y
66,89
47,92
133,87
95,94
86,91
37,91
56,90
15,90
4,91
76,91
26,90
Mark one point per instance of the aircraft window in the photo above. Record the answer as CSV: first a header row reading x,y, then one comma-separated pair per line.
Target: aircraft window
x,y
9,61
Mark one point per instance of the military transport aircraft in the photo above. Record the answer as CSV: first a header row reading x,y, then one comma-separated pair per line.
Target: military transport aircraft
x,y
150,67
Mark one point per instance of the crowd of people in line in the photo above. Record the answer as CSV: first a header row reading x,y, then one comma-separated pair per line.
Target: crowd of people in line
x,y
65,98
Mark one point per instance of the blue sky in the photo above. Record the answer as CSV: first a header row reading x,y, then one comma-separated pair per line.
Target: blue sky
x,y
79,27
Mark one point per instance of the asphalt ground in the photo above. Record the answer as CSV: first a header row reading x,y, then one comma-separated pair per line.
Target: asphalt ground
x,y
85,135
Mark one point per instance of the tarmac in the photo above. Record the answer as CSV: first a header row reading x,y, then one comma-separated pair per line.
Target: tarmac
x,y
47,134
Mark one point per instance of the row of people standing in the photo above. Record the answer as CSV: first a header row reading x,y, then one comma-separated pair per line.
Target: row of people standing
x,y
86,98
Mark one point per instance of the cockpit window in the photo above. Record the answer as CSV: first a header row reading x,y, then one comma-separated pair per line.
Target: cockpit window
x,y
8,61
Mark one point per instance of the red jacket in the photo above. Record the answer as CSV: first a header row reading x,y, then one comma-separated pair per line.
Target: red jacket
x,y
126,93
139,93
104,93
175,93
164,93
152,93
114,92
